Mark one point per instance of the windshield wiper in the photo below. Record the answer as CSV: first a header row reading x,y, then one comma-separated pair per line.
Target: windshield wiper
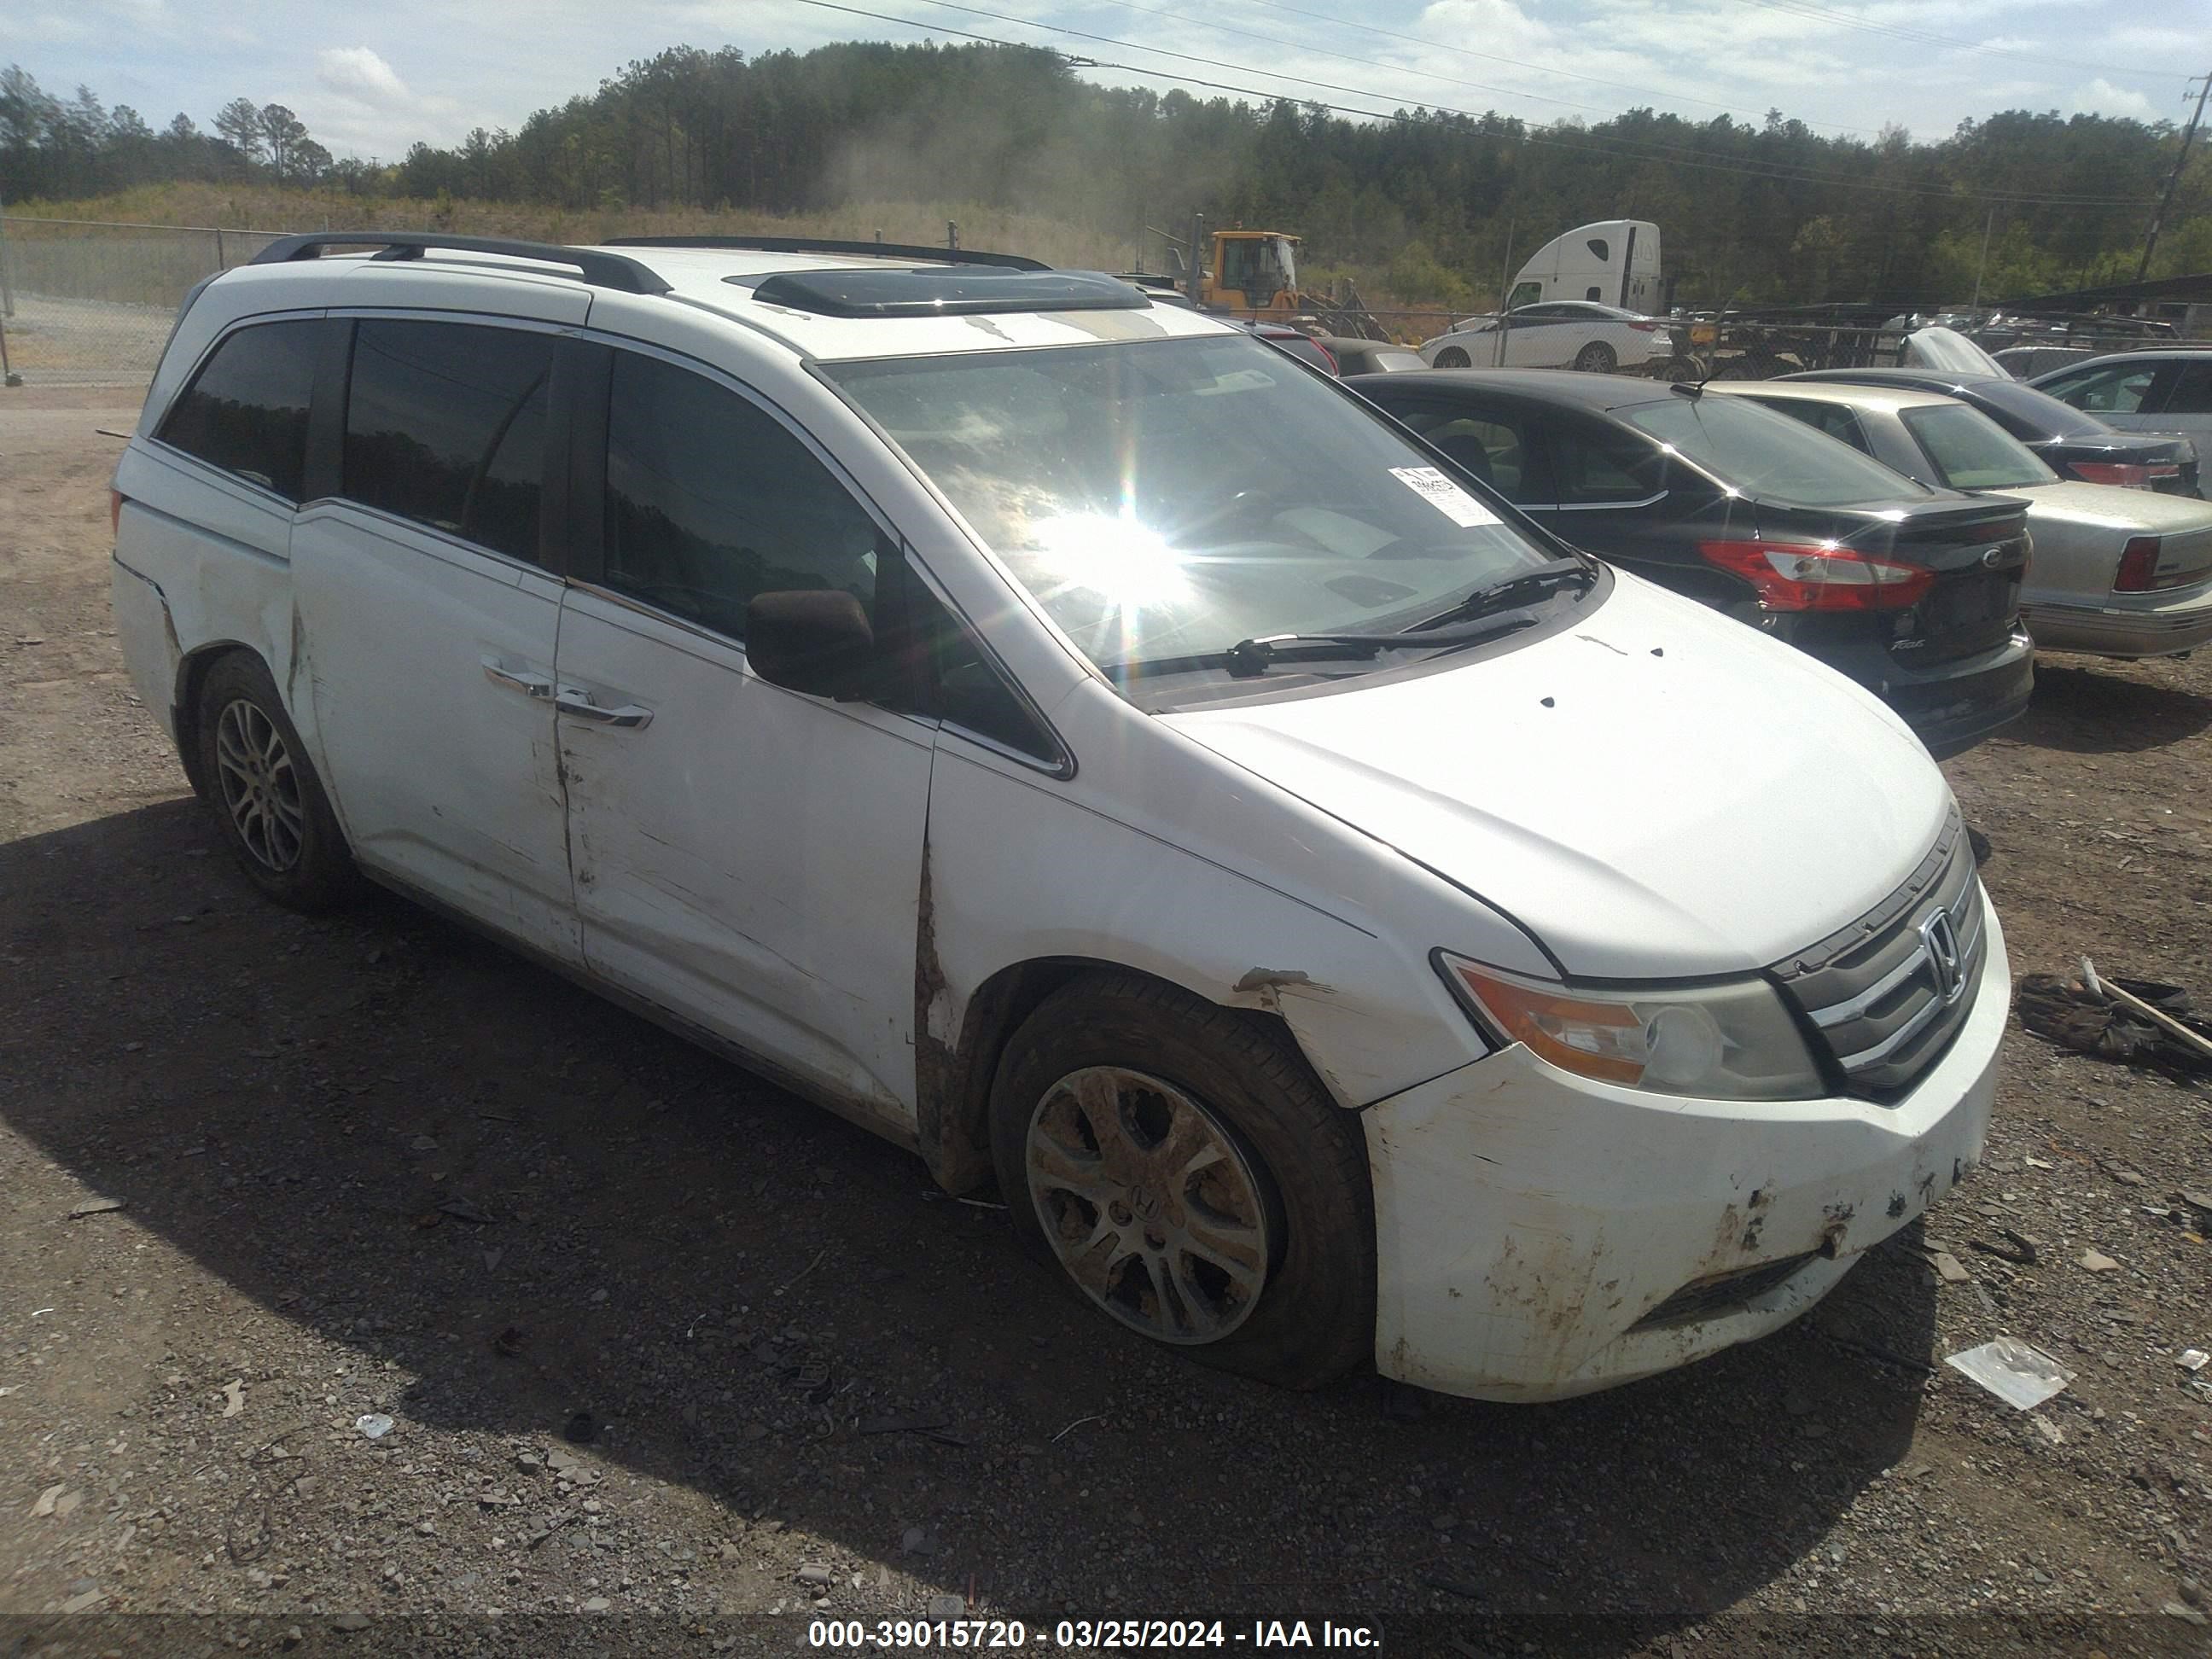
x,y
1546,578
1249,658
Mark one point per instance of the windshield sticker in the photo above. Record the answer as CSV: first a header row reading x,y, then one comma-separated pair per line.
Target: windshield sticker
x,y
1448,498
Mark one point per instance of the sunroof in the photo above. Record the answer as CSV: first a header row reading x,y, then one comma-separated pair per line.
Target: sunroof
x,y
964,292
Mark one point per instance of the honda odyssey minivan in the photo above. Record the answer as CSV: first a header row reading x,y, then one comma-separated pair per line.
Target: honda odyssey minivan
x,y
1092,749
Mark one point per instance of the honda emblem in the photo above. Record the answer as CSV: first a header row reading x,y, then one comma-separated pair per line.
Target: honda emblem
x,y
1939,942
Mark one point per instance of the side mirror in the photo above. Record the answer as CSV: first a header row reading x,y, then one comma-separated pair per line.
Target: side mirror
x,y
814,641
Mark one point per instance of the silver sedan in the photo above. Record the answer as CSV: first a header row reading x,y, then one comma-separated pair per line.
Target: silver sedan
x,y
2116,573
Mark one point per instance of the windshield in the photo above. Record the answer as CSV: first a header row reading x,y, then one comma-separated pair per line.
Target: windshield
x,y
1970,451
1177,496
1763,453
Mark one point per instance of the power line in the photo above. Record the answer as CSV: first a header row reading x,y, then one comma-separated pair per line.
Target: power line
x,y
1429,75
1518,62
1631,149
1799,170
1822,15
1247,69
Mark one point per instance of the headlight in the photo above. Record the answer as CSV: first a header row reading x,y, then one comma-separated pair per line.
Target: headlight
x,y
1731,1042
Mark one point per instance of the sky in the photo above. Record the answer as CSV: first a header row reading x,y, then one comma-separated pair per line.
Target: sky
x,y
369,81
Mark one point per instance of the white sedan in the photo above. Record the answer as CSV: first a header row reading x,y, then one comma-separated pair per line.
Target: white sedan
x,y
2116,573
1554,334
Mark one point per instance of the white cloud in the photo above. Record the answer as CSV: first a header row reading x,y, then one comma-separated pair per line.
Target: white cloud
x,y
358,73
2101,97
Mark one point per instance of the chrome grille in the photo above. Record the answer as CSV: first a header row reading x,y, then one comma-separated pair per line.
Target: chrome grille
x,y
1888,992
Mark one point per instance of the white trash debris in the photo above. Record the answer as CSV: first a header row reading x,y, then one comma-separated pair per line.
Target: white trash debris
x,y
2194,1360
2021,1376
375,1425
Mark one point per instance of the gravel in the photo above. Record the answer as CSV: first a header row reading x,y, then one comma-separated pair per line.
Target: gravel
x,y
272,1111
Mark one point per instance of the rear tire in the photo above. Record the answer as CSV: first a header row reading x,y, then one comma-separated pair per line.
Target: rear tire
x,y
268,804
1451,357
1180,1168
1596,358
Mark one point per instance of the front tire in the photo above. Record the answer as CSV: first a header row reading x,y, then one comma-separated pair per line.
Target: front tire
x,y
267,802
1180,1167
1451,357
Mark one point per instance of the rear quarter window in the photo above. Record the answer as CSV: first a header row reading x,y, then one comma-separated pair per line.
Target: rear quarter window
x,y
445,425
245,411
1765,453
1835,419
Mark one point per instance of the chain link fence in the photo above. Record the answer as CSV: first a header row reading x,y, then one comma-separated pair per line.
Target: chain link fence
x,y
84,302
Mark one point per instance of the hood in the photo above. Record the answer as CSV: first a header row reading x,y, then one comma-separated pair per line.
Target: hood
x,y
1655,791
2142,511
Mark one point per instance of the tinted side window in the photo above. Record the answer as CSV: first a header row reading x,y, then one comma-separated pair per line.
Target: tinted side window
x,y
445,425
1597,466
1490,446
710,500
246,410
956,679
2192,390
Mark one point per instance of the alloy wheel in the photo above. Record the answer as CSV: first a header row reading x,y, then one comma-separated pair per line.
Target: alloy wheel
x,y
260,786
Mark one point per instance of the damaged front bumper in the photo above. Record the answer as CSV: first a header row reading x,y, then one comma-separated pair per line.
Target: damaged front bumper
x,y
1540,1235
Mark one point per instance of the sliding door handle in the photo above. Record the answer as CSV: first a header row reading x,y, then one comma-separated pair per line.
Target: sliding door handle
x,y
531,685
573,700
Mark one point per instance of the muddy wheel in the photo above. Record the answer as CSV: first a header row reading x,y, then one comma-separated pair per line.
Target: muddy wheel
x,y
263,790
1451,357
1596,358
1178,1164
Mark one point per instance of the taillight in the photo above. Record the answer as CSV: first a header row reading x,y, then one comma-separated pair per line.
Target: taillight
x,y
2139,566
114,512
1800,576
1327,356
1646,328
2128,475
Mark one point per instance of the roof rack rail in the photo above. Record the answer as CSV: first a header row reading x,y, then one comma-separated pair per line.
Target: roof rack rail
x,y
610,271
957,256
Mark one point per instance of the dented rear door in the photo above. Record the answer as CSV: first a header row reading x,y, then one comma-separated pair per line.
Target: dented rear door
x,y
425,620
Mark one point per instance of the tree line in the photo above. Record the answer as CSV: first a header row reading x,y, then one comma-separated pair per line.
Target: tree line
x,y
65,150
1438,204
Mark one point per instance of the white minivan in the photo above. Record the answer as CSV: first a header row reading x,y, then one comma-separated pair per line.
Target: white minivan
x,y
1091,749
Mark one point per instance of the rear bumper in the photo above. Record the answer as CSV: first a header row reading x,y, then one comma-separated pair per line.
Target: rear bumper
x,y
1541,1236
1951,706
2127,625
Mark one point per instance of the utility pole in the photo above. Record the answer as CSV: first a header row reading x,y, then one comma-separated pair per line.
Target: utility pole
x,y
1504,277
2172,179
1989,225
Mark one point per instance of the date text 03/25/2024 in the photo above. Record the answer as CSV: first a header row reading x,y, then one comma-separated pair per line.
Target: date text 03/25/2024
x,y
885,1635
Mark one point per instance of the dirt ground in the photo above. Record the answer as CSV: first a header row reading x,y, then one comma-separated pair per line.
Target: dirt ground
x,y
816,1387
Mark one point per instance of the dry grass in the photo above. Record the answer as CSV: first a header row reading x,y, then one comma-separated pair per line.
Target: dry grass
x,y
263,208
136,266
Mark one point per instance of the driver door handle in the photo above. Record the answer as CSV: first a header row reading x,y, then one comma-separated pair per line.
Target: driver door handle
x,y
531,685
575,700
